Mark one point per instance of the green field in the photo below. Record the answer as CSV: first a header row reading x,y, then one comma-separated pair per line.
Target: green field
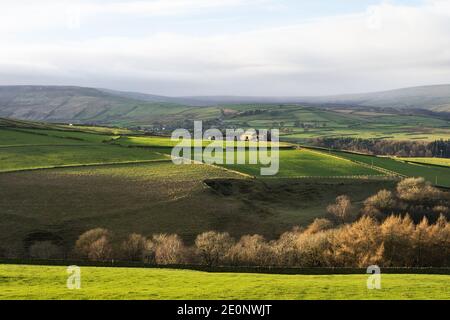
x,y
34,157
436,175
42,282
308,163
435,161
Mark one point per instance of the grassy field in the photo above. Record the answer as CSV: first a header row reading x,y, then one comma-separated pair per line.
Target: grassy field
x,y
162,197
42,282
435,161
33,157
309,163
436,175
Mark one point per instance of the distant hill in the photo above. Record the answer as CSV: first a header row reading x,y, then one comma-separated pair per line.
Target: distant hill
x,y
104,106
435,98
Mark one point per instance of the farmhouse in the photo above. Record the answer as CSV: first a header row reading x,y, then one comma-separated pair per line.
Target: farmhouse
x,y
255,135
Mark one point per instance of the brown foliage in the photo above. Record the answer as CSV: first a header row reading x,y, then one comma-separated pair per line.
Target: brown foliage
x,y
94,245
212,247
342,209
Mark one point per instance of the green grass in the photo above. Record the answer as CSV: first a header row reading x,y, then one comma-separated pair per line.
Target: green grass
x,y
308,163
49,282
19,138
431,173
34,157
435,161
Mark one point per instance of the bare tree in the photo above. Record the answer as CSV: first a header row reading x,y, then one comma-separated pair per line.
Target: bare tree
x,y
342,209
134,247
94,244
168,249
213,246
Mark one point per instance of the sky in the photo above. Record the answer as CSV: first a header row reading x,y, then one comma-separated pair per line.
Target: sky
x,y
226,47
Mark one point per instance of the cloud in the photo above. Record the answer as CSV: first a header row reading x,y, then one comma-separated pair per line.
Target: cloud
x,y
386,46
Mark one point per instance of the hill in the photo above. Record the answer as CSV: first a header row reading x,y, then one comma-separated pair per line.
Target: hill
x,y
434,98
104,106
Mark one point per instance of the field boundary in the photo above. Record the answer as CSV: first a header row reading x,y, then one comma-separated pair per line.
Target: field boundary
x,y
228,269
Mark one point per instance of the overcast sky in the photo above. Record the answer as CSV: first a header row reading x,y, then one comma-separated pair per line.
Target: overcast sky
x,y
226,47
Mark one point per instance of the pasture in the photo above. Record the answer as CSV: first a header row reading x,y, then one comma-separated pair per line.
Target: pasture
x,y
437,175
160,197
436,161
38,157
49,282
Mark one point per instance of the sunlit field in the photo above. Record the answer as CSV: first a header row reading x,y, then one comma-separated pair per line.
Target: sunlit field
x,y
41,282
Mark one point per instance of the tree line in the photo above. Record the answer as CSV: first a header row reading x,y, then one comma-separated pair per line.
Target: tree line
x,y
437,148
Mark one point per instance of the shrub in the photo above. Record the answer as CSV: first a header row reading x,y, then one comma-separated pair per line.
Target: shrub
x,y
417,190
251,250
94,245
212,247
342,209
134,247
168,249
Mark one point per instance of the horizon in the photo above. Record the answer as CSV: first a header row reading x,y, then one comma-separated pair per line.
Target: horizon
x,y
223,95
227,48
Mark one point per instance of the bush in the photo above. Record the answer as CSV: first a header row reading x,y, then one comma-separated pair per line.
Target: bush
x,y
251,251
417,190
94,245
168,249
134,247
342,209
212,247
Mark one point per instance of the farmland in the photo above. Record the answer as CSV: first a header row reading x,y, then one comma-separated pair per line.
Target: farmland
x,y
435,161
434,174
161,197
45,282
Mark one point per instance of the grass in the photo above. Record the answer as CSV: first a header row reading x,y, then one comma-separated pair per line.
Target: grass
x,y
436,175
162,197
22,138
35,157
435,161
49,282
308,163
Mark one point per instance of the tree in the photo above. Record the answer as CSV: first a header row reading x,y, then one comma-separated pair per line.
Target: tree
x,y
342,209
94,244
251,250
168,249
417,190
134,247
397,237
358,245
319,224
213,246
380,204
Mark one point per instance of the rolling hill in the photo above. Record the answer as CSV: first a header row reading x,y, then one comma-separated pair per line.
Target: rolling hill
x,y
82,105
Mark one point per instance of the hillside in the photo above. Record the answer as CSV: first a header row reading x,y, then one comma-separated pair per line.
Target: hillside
x,y
434,98
104,106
